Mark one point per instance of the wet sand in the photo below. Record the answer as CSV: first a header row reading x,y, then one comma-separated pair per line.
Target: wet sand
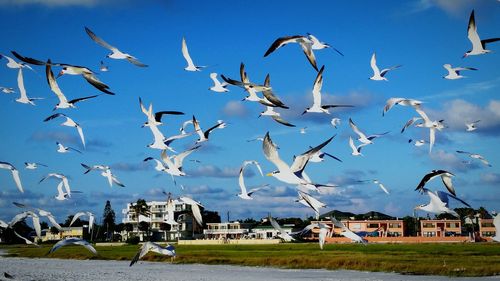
x,y
68,270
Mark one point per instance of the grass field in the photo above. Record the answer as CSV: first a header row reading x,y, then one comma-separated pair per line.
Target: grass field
x,y
482,259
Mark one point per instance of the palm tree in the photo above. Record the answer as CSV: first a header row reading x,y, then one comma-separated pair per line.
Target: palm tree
x,y
140,208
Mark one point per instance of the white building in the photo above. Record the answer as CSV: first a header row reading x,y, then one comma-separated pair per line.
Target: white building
x,y
168,221
226,230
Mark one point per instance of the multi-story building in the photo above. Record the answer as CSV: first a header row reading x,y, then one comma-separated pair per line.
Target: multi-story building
x,y
227,230
268,232
440,228
63,233
375,228
486,228
169,220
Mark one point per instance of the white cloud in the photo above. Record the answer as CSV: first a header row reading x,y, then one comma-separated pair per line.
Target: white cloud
x,y
451,7
216,172
235,109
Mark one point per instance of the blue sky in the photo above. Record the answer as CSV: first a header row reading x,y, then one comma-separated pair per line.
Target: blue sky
x,y
420,35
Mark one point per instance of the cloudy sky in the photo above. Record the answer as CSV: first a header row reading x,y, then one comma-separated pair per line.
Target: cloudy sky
x,y
420,35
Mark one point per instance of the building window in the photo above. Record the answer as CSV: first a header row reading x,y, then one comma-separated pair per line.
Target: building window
x,y
487,224
394,225
373,225
428,225
429,234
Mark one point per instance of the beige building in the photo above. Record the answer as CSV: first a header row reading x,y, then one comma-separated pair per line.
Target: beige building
x,y
440,228
486,228
65,232
374,228
226,230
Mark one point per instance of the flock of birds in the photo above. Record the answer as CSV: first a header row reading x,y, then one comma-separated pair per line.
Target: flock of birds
x,y
171,162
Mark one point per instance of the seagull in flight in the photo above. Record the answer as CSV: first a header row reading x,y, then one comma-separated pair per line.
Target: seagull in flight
x,y
219,87
103,67
318,45
147,247
478,45
377,74
62,195
41,213
475,156
203,135
79,214
11,63
317,106
377,182
33,165
156,118
356,150
400,101
361,136
445,177
65,149
454,72
187,57
63,101
346,232
73,241
281,232
309,201
304,42
6,90
293,174
69,123
115,53
195,208
435,205
471,126
15,174
241,181
23,96
35,219
335,122
106,172
431,125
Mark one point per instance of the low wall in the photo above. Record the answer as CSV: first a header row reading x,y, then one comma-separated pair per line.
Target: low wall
x,y
418,239
106,244
235,241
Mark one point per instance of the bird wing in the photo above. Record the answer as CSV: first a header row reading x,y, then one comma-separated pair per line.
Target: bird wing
x,y
36,224
18,218
318,84
390,103
280,42
197,128
308,51
241,180
271,153
432,138
27,59
159,114
17,179
85,244
383,188
80,132
116,181
444,196
179,158
384,71
496,223
135,61
282,121
373,64
356,129
269,95
25,240
197,213
185,53
76,216
332,156
99,41
472,32
446,178
20,84
300,161
92,80
486,41
141,253
53,84
409,123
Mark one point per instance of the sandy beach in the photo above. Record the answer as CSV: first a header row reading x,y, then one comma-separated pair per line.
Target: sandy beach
x,y
56,269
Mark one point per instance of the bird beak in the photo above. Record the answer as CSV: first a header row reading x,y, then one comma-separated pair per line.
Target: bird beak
x,y
464,56
269,174
60,74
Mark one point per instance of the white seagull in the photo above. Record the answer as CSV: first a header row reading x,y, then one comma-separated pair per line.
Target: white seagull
x,y
317,106
195,209
11,63
361,136
244,194
15,174
476,156
62,195
33,165
377,74
496,223
219,87
445,177
168,250
116,54
69,123
187,57
346,232
203,135
431,125
309,201
42,213
106,172
73,241
454,72
63,101
377,182
304,42
281,233
356,150
435,205
35,218
7,90
471,126
335,122
23,96
103,67
318,45
400,101
323,231
293,174
79,214
65,149
478,45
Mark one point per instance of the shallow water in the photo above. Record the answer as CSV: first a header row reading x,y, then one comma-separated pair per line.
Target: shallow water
x,y
56,269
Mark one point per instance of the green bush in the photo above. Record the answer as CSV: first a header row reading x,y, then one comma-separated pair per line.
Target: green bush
x,y
134,240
